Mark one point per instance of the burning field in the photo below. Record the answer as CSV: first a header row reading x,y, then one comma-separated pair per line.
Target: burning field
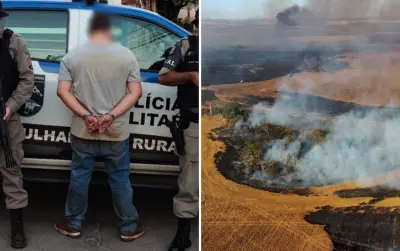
x,y
300,162
302,154
358,215
347,215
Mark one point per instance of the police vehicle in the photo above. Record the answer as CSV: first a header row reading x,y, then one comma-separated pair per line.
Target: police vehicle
x,y
51,28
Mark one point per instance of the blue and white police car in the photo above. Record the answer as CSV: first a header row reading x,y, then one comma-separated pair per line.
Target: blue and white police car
x,y
51,28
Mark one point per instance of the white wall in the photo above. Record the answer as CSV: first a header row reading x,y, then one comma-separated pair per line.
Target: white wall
x,y
184,13
114,1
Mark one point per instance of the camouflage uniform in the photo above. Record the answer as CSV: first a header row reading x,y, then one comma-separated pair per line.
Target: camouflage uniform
x,y
18,83
16,196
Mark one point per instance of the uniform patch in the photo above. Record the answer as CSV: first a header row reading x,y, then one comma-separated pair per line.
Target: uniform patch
x,y
170,62
30,62
35,103
26,49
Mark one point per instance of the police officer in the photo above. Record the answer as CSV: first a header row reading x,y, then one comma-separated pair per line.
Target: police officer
x,y
181,69
16,70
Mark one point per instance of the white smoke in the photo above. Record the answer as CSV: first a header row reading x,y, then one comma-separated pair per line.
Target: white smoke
x,y
356,148
359,144
336,9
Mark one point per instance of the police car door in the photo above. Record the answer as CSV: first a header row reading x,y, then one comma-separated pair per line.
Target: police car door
x,y
49,29
150,140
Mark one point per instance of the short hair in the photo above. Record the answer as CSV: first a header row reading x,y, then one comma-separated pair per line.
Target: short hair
x,y
99,22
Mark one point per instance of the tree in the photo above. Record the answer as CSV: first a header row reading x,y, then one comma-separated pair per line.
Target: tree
x,y
208,98
236,112
170,8
251,156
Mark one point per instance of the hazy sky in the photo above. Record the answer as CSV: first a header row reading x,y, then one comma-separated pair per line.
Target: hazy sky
x,y
243,9
238,9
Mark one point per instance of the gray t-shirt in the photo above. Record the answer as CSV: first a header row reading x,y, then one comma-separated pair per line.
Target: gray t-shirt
x,y
99,73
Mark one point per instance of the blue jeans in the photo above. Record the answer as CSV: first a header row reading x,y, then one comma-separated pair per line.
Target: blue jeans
x,y
117,161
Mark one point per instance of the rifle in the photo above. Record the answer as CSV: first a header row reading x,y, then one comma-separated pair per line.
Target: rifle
x,y
4,133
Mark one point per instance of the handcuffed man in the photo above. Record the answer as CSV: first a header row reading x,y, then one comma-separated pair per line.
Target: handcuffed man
x,y
100,82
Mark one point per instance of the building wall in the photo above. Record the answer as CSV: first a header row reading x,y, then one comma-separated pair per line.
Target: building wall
x,y
114,1
147,4
189,11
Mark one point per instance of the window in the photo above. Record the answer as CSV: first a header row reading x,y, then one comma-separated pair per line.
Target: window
x,y
146,40
45,32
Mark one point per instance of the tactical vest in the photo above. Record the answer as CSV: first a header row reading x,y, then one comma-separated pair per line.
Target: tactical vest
x,y
8,66
188,94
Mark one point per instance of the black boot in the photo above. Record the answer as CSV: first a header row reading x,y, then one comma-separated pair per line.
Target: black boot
x,y
182,236
18,239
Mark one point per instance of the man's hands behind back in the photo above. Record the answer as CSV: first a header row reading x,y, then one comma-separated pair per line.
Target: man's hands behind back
x,y
104,122
91,123
98,123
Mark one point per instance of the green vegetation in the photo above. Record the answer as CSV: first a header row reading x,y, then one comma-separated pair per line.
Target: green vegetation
x,y
251,155
251,151
235,112
208,96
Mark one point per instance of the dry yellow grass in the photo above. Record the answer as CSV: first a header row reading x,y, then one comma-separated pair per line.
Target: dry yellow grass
x,y
372,80
237,217
321,39
389,202
341,22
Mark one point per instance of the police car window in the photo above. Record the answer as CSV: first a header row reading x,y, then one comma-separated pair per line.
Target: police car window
x,y
146,40
45,32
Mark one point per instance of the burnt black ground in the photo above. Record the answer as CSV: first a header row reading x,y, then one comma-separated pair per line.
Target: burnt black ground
x,y
301,102
247,65
224,159
360,228
309,103
258,50
378,193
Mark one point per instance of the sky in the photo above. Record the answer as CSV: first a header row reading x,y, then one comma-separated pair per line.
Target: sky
x,y
238,9
244,9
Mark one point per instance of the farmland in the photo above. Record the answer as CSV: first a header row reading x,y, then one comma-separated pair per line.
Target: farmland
x,y
338,96
238,217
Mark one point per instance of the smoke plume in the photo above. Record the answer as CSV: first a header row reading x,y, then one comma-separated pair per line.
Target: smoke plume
x,y
360,143
338,9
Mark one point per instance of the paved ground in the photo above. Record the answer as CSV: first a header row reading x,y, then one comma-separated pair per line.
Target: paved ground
x,y
100,233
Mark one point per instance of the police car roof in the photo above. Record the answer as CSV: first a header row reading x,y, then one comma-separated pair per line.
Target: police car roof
x,y
112,8
80,3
